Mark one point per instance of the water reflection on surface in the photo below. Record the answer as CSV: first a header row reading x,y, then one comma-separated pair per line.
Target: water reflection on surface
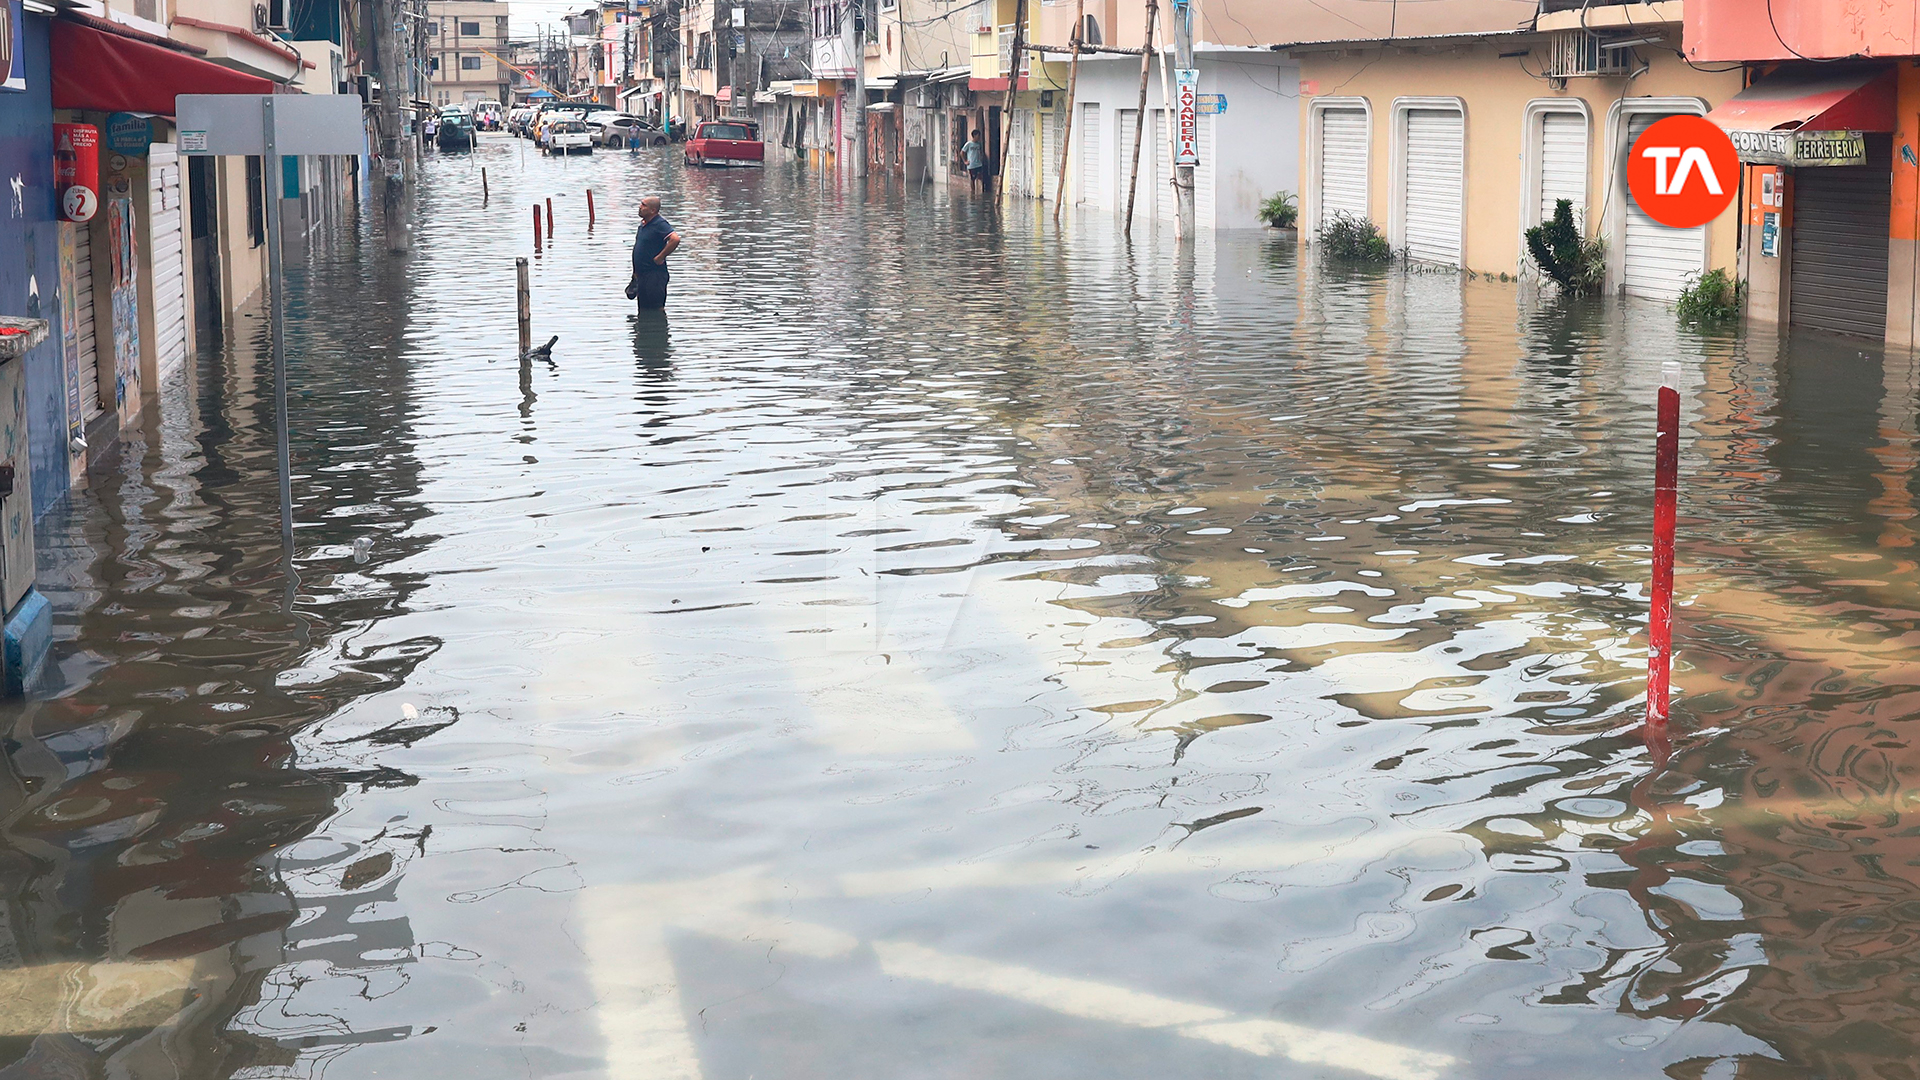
x,y
934,648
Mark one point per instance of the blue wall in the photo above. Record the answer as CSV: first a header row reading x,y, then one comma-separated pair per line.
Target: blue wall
x,y
30,259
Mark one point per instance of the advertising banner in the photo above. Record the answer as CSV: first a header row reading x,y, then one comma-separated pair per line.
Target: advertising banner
x,y
1186,100
76,170
71,237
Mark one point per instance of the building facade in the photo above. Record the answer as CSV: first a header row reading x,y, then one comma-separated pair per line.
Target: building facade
x,y
466,47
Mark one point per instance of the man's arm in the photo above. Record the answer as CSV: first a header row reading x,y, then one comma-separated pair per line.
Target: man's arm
x,y
673,241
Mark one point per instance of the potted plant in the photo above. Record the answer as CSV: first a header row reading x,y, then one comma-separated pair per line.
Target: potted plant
x,y
1280,212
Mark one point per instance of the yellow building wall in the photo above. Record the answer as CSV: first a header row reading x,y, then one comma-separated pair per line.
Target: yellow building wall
x,y
1495,92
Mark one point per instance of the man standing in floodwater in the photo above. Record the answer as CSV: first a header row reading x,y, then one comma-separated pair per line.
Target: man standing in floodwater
x,y
651,245
976,156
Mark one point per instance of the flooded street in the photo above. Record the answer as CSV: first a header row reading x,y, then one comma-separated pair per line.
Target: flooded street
x,y
937,649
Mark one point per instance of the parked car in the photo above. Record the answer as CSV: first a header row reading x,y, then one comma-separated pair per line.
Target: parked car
x,y
547,119
487,116
726,143
567,136
456,131
620,129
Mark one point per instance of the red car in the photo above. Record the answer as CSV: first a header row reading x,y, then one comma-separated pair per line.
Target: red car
x,y
726,142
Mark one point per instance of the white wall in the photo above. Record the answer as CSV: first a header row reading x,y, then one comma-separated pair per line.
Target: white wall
x,y
1254,145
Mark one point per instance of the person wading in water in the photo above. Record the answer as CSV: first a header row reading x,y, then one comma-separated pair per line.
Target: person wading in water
x,y
651,245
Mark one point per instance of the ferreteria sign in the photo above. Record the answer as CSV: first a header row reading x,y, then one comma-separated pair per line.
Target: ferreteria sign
x,y
1801,148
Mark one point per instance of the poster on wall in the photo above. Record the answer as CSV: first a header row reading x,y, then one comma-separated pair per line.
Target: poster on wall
x,y
71,237
13,45
124,268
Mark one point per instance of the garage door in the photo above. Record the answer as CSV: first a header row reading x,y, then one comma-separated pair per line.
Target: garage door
x,y
1088,129
1435,186
1839,259
1050,147
1343,163
1656,260
1123,173
1162,152
1203,173
169,248
1563,163
89,343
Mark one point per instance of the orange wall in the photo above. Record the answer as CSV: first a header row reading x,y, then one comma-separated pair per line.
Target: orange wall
x,y
1906,178
1720,30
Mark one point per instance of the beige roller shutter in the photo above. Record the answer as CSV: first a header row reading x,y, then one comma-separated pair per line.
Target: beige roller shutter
x,y
89,337
1123,173
1203,173
1162,173
1343,163
1435,185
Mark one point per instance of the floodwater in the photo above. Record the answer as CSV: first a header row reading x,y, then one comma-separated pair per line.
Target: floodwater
x,y
938,649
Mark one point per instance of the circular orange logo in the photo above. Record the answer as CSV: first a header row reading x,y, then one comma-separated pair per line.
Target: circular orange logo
x,y
1683,171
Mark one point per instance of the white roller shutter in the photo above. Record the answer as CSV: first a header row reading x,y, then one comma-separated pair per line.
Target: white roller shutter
x,y
1088,128
167,235
1123,173
1656,260
89,338
1050,151
1162,176
1563,163
1343,163
1435,185
1203,174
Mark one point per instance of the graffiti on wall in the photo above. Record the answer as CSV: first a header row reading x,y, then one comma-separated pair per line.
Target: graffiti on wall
x,y
124,269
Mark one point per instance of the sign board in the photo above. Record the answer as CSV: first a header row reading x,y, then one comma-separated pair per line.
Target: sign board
x,y
234,124
1186,83
129,133
76,170
1211,104
1806,149
13,45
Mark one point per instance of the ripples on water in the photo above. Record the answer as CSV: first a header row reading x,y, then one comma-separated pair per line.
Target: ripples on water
x,y
933,649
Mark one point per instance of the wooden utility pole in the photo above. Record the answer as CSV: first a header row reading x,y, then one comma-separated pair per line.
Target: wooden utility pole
x,y
1013,86
857,14
1140,114
1073,86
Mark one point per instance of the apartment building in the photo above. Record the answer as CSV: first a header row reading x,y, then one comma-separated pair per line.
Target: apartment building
x,y
466,41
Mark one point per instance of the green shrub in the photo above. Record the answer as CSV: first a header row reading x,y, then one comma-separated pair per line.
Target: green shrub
x,y
1279,210
1576,264
1350,236
1711,297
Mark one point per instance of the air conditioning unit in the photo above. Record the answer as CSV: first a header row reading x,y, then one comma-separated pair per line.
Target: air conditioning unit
x,y
1578,54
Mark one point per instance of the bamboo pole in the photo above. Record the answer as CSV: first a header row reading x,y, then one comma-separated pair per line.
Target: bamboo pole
x,y
1173,128
1073,86
1140,115
1013,87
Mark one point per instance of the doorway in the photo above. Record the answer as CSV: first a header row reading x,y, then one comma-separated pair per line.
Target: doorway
x,y
203,236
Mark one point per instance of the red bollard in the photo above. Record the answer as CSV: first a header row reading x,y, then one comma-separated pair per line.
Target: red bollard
x,y
589,208
549,219
536,226
1666,482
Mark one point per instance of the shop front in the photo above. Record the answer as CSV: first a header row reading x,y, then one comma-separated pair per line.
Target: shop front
x,y
1817,150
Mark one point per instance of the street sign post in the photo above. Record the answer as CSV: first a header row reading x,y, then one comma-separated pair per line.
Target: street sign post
x,y
269,126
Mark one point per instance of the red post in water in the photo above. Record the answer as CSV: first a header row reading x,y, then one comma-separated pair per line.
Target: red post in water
x,y
549,219
536,226
1666,479
589,208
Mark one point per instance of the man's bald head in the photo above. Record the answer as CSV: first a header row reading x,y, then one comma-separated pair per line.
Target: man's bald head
x,y
650,206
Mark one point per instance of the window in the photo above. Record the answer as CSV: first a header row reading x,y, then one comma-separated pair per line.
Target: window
x,y
1090,33
469,63
433,29
256,203
469,29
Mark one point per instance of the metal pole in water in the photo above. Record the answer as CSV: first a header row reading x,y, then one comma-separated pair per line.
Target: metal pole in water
x,y
1666,473
483,186
276,320
524,295
536,227
589,208
549,219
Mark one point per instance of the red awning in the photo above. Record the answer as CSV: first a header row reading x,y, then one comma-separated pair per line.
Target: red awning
x,y
106,72
1856,100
